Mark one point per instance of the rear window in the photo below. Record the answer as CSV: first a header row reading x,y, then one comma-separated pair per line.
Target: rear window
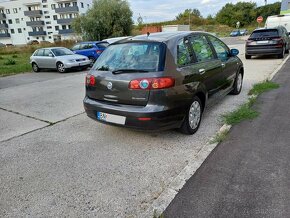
x,y
265,34
147,56
103,45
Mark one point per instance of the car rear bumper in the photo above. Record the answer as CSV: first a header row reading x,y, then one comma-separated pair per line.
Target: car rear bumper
x,y
263,50
162,118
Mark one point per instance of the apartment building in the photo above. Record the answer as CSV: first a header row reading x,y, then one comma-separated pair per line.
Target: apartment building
x,y
43,20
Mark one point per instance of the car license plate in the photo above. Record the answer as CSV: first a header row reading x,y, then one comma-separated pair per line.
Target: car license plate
x,y
263,42
111,118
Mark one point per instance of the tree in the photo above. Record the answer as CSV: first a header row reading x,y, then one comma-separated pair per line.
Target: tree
x,y
106,18
190,15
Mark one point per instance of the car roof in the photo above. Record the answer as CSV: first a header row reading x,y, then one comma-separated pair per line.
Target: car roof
x,y
265,28
160,37
92,42
52,47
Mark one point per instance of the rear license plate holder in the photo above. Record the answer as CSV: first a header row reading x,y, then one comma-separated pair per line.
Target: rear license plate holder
x,y
111,118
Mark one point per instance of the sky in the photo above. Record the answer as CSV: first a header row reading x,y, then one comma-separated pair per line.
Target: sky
x,y
164,10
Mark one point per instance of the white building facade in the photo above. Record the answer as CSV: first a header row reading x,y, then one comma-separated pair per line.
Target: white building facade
x,y
22,21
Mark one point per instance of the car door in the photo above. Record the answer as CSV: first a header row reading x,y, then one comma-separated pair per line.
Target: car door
x,y
39,58
229,63
49,59
208,67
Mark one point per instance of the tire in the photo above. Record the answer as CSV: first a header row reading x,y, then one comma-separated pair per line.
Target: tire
x,y
282,53
92,59
60,67
248,56
193,117
238,84
35,67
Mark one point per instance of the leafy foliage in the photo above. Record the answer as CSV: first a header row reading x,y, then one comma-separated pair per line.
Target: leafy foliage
x,y
106,18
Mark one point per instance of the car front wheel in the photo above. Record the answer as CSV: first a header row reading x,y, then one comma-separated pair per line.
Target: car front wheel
x,y
192,119
60,67
238,84
35,67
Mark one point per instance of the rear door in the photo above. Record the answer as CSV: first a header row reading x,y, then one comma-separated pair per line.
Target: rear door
x,y
39,58
228,63
122,63
207,67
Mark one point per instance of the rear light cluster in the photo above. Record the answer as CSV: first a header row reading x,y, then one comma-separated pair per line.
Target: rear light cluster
x,y
99,52
279,42
152,83
90,80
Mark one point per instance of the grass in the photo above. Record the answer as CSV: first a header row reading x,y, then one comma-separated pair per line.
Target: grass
x,y
219,137
259,88
9,66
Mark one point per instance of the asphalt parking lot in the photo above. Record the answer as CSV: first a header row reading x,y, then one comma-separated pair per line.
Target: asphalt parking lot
x,y
54,161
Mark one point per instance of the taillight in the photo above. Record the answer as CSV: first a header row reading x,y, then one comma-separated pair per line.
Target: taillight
x,y
90,80
99,52
279,42
152,83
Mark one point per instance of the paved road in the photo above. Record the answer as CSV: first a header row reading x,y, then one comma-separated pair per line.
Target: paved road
x,y
234,40
54,161
248,174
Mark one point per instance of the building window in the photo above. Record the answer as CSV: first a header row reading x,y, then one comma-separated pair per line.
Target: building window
x,y
7,11
49,27
88,5
22,19
82,5
10,21
17,20
54,17
47,17
75,4
19,30
45,12
28,38
56,27
53,6
49,37
44,1
44,6
48,22
43,38
12,31
15,10
24,29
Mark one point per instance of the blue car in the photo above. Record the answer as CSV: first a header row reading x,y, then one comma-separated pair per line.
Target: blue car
x,y
235,33
90,49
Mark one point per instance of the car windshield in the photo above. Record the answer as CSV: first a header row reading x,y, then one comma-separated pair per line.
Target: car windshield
x,y
61,51
264,33
143,56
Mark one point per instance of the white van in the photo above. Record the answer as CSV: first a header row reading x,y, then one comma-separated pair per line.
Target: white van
x,y
278,20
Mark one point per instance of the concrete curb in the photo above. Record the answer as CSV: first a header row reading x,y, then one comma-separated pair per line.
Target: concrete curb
x,y
162,202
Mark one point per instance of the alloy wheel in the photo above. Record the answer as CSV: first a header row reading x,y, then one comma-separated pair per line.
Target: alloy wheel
x,y
194,115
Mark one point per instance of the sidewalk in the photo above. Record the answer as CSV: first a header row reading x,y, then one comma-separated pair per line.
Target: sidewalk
x,y
248,175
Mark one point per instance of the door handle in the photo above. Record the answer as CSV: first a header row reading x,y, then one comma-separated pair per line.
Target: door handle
x,y
201,71
223,64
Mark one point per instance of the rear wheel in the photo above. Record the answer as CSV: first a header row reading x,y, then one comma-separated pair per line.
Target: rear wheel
x,y
248,56
287,50
238,84
60,67
192,119
282,53
35,67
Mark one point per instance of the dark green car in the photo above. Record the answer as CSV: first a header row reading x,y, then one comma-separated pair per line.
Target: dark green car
x,y
161,81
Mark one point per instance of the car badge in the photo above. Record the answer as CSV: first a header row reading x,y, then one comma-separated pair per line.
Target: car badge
x,y
110,85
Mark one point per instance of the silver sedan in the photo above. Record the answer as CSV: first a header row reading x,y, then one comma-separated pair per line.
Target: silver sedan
x,y
58,58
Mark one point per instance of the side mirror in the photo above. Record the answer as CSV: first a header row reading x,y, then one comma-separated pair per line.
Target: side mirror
x,y
234,52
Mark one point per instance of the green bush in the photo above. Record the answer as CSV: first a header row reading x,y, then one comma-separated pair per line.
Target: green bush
x,y
10,62
1,58
14,56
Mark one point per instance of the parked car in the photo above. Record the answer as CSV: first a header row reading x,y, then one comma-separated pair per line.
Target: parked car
x,y
33,42
244,32
235,33
278,20
161,81
59,58
90,49
268,41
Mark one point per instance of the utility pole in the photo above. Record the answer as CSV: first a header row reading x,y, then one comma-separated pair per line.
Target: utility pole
x,y
265,2
189,21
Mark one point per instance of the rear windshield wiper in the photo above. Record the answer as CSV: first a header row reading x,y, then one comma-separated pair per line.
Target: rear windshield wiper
x,y
120,71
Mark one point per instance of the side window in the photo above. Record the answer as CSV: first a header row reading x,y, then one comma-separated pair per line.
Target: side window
x,y
76,47
47,52
39,52
201,48
183,55
221,49
89,46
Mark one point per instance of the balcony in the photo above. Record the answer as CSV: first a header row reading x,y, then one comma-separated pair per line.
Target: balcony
x,y
36,13
4,35
37,33
71,9
67,31
3,26
2,16
65,21
35,23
